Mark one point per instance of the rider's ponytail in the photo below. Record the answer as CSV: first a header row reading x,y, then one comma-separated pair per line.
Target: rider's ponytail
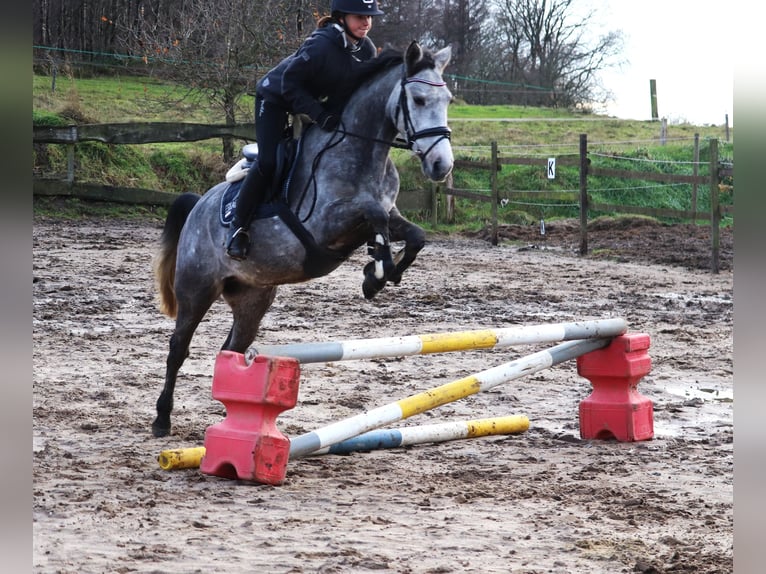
x,y
325,21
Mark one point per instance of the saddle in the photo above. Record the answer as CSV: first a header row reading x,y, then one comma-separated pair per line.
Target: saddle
x,y
320,259
287,154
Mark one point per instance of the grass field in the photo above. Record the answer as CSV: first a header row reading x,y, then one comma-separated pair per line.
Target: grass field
x,y
518,130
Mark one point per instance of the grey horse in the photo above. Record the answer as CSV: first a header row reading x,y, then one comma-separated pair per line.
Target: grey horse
x,y
341,195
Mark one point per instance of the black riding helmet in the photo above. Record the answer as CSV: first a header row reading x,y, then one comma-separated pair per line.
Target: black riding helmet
x,y
361,7
340,8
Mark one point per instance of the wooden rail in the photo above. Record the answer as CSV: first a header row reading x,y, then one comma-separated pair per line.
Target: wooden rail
x,y
716,173
143,133
418,200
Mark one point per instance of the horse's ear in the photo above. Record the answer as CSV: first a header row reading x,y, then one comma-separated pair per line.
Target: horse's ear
x,y
413,55
442,58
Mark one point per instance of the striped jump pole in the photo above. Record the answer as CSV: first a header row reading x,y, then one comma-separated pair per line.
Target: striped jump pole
x,y
442,342
181,458
439,432
334,433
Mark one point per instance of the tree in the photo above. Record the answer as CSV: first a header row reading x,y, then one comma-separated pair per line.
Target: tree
x,y
464,21
546,49
217,50
531,52
408,20
78,26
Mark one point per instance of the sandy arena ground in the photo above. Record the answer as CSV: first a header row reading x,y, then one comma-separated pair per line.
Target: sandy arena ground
x,y
543,501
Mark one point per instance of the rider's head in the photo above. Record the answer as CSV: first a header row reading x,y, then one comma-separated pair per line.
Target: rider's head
x,y
355,16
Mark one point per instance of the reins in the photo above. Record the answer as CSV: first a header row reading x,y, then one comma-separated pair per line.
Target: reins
x,y
442,132
409,127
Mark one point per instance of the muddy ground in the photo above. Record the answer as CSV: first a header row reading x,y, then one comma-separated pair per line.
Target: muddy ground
x,y
543,501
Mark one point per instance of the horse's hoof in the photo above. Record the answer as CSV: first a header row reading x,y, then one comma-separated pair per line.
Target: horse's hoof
x,y
371,288
371,285
160,431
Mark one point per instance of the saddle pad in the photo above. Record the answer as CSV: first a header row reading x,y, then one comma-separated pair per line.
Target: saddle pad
x,y
229,202
286,159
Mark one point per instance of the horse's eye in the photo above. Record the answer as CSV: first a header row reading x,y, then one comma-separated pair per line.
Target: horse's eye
x,y
419,101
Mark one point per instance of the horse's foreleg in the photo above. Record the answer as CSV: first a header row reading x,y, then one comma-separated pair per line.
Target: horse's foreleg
x,y
414,238
377,271
385,267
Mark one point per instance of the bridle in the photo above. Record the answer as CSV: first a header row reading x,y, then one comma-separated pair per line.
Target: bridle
x,y
409,128
443,132
412,135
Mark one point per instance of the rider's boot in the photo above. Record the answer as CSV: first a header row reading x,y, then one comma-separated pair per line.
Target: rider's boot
x,y
250,197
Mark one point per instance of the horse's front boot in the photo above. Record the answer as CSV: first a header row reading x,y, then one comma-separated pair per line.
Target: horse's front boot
x,y
371,285
379,271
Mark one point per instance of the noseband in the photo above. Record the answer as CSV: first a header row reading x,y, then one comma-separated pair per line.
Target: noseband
x,y
412,134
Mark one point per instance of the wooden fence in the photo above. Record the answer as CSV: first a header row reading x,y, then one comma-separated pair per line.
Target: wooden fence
x,y
716,173
128,133
425,199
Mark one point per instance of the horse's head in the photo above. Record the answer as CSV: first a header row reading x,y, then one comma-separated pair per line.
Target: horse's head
x,y
419,109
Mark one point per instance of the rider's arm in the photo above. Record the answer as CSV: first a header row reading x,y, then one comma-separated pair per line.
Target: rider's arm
x,y
303,75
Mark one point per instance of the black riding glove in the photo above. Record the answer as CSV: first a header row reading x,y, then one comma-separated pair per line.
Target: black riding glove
x,y
328,121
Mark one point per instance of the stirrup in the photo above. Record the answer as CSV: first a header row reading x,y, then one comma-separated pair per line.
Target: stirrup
x,y
242,239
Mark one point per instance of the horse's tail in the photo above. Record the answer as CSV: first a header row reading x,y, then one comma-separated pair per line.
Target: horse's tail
x,y
165,258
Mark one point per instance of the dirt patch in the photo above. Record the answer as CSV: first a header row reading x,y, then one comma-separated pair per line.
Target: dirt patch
x,y
541,501
625,239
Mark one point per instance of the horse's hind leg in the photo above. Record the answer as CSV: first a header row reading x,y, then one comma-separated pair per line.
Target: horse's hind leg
x,y
248,305
187,320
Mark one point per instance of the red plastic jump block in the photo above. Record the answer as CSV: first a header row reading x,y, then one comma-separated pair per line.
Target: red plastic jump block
x,y
615,408
247,444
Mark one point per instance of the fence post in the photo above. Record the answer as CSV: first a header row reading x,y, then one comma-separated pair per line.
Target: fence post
x,y
715,211
583,194
435,188
495,194
70,163
70,154
696,170
449,200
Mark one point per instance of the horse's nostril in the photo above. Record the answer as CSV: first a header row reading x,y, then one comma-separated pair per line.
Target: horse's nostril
x,y
439,170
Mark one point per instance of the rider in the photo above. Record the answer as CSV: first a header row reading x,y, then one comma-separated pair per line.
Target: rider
x,y
316,81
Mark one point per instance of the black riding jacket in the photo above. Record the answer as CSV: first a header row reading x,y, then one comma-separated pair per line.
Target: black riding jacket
x,y
320,75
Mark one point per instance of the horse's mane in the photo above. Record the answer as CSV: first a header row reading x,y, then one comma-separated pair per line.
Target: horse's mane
x,y
388,58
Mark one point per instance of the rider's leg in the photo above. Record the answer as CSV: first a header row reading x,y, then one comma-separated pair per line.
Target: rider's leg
x,y
270,122
250,197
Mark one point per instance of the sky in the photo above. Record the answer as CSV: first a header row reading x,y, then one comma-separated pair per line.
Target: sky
x,y
687,46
